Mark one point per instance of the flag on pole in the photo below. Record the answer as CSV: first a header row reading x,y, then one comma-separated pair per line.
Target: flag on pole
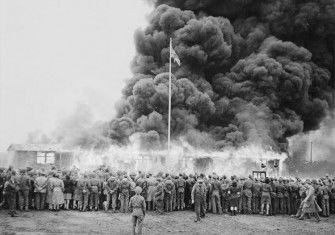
x,y
174,55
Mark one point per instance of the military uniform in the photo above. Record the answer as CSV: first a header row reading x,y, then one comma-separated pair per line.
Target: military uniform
x,y
138,207
159,196
274,199
24,187
224,194
294,202
112,186
332,198
287,203
82,193
280,196
168,190
40,191
10,189
188,189
247,196
324,192
181,184
124,194
215,196
256,197
95,189
198,196
143,183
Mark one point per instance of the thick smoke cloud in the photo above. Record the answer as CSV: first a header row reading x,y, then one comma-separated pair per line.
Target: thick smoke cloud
x,y
252,72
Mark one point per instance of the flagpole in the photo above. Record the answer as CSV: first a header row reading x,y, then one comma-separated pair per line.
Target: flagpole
x,y
169,114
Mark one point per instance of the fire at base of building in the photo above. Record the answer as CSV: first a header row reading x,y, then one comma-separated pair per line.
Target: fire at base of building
x,y
242,161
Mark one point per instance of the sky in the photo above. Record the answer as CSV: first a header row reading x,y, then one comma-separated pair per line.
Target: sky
x,y
55,54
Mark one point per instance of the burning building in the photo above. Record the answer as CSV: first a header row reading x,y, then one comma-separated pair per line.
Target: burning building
x,y
39,155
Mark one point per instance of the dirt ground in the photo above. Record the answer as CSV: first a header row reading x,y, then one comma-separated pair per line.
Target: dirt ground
x,y
73,222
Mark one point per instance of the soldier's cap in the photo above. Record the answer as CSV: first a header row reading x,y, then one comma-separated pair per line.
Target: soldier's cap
x,y
314,181
138,190
22,171
200,180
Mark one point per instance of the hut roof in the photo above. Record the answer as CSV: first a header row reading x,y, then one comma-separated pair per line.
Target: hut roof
x,y
37,148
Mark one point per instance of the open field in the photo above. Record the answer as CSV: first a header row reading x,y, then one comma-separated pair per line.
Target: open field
x,y
73,222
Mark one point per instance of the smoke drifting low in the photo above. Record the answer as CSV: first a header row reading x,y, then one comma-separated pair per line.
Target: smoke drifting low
x,y
253,72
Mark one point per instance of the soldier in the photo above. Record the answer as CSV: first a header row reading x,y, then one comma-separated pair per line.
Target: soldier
x,y
189,186
208,184
81,193
294,189
10,190
241,198
138,208
181,184
95,190
112,187
69,185
168,188
280,195
2,184
332,197
24,187
124,194
152,183
247,195
215,193
324,191
159,196
174,192
224,193
234,193
198,196
287,197
143,184
274,199
40,190
256,196
266,197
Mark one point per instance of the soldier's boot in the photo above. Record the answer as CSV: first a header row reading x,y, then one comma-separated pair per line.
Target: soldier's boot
x,y
267,209
262,209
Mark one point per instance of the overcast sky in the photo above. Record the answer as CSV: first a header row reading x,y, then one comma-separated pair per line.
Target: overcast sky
x,y
56,53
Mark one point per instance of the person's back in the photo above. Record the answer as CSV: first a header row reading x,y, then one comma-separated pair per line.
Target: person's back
x,y
138,208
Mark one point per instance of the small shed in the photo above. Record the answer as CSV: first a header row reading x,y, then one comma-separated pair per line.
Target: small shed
x,y
40,156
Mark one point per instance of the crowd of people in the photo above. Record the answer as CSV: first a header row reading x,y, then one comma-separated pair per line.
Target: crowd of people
x,y
104,189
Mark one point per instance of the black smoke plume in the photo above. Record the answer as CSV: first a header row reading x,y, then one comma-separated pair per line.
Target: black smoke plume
x,y
253,71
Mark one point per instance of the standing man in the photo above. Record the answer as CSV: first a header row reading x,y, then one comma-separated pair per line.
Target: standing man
x,y
95,190
11,188
137,207
215,193
181,184
112,187
247,194
168,196
198,196
40,190
256,196
159,196
124,194
24,184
